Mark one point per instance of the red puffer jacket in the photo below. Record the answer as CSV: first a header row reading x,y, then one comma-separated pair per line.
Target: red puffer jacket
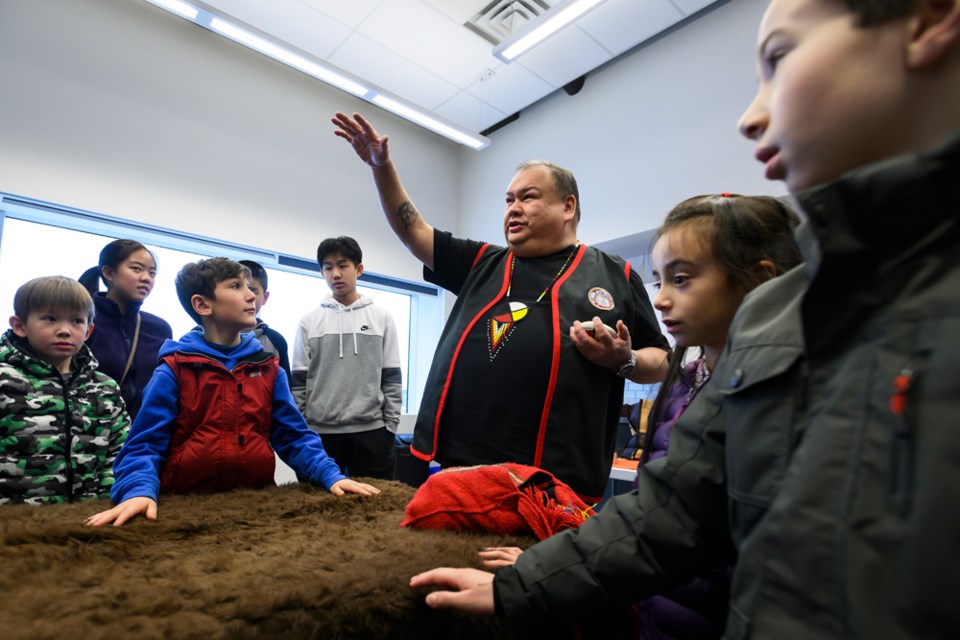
x,y
229,444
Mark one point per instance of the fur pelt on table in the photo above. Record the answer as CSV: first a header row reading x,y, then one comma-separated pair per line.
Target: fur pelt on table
x,y
283,562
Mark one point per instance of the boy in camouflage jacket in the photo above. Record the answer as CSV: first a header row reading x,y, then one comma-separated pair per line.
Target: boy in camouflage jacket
x,y
61,421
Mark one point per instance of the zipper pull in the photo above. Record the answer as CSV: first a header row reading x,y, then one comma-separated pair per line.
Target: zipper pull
x,y
901,385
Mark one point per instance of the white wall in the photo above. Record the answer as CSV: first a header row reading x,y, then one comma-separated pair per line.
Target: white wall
x,y
654,127
123,109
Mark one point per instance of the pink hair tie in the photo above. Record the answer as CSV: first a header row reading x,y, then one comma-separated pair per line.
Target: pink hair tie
x,y
725,194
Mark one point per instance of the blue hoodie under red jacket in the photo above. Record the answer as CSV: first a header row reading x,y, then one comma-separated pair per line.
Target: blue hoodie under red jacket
x,y
210,421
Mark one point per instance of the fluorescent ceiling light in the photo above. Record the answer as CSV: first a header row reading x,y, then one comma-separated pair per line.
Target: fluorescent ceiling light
x,y
304,63
539,30
287,57
429,122
176,6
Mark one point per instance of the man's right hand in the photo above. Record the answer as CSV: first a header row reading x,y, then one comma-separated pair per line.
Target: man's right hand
x,y
402,216
366,142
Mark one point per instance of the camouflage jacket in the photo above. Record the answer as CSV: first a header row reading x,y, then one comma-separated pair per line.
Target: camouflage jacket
x,y
43,414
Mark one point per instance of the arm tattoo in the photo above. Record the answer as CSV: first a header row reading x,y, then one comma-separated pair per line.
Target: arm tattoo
x,y
407,214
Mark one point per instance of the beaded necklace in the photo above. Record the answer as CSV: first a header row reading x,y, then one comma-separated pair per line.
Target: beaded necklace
x,y
502,325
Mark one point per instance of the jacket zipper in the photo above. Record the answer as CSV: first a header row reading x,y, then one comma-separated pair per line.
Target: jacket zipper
x,y
902,462
68,437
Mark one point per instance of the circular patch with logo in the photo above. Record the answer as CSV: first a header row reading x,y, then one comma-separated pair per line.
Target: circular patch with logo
x,y
600,298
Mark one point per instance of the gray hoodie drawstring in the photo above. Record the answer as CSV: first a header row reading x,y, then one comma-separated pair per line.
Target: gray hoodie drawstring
x,y
354,334
340,308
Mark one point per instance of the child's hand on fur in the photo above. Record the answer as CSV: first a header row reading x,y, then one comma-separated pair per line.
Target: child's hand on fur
x,y
465,589
496,557
124,511
349,486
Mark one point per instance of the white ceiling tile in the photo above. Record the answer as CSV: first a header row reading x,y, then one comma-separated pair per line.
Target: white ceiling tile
x,y
289,21
350,13
459,10
510,88
621,24
364,58
469,112
423,35
692,6
420,51
566,56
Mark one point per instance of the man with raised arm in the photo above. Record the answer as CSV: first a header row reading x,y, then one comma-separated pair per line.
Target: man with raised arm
x,y
515,376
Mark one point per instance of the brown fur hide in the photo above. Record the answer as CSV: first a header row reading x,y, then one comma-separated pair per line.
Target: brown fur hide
x,y
290,562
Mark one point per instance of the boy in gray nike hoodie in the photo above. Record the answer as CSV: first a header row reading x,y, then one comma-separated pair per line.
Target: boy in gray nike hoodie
x,y
346,368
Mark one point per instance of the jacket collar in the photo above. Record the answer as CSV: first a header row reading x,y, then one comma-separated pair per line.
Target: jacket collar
x,y
109,308
881,210
866,232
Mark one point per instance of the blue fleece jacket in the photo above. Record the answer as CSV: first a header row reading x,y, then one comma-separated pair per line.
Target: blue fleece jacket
x,y
137,468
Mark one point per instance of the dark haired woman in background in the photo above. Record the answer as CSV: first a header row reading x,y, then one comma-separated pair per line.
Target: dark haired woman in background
x,y
125,340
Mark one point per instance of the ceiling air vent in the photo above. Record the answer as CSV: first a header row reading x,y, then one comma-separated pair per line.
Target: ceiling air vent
x,y
502,18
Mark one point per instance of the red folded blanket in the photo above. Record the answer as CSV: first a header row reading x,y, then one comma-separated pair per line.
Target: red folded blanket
x,y
500,498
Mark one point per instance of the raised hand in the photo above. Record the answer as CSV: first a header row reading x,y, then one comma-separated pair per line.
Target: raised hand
x,y
366,142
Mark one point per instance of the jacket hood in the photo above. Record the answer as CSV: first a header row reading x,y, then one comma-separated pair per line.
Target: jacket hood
x,y
193,342
331,303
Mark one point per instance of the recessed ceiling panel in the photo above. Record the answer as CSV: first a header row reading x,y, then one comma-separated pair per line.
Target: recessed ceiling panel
x,y
458,10
510,88
292,22
420,50
350,12
566,56
470,112
426,37
692,6
365,58
621,24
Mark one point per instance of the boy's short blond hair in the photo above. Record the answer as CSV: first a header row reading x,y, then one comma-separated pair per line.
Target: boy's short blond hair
x,y
58,293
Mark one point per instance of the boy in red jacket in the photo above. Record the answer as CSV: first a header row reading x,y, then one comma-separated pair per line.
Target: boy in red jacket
x,y
216,408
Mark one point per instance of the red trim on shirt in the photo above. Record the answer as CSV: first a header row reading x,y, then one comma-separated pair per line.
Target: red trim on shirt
x,y
456,353
555,361
480,251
